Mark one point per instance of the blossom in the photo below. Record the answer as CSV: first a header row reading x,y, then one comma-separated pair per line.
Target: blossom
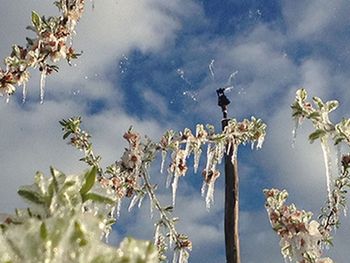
x,y
6,84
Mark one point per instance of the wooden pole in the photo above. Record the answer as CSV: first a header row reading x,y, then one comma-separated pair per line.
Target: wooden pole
x,y
231,194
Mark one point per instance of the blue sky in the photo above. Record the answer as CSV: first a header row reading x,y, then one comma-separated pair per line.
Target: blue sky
x,y
146,64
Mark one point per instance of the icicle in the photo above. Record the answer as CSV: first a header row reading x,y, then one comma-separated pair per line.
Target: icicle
x,y
170,239
7,99
221,152
229,148
211,68
42,85
187,149
92,4
252,145
168,179
133,202
294,132
204,187
260,142
176,256
197,155
24,92
140,201
174,186
328,165
338,147
234,153
209,199
151,208
181,256
345,211
209,157
163,161
119,202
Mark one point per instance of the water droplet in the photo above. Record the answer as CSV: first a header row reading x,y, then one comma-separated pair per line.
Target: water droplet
x,y
76,92
211,68
231,77
191,94
181,73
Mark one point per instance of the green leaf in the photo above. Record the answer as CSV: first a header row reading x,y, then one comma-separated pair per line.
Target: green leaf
x,y
54,182
332,105
316,135
98,198
89,181
36,20
31,196
314,115
66,135
43,231
318,102
302,94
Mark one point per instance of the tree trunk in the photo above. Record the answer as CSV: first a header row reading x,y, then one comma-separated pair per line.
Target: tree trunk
x,y
231,208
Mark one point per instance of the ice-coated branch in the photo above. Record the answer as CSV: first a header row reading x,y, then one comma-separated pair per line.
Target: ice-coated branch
x,y
52,42
129,176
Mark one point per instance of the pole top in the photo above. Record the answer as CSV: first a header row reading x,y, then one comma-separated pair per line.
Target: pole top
x,y
223,101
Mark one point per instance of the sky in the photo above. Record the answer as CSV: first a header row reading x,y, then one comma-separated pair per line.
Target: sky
x,y
146,63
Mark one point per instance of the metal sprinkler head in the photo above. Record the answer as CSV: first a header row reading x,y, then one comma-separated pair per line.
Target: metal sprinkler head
x,y
223,101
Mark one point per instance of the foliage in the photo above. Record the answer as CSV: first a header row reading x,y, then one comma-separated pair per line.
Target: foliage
x,y
67,218
303,239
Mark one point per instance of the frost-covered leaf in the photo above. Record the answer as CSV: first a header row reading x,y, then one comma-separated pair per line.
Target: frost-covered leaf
x,y
89,181
316,135
36,20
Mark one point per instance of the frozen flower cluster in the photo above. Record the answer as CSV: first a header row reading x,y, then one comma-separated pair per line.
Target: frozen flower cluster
x,y
301,239
52,41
